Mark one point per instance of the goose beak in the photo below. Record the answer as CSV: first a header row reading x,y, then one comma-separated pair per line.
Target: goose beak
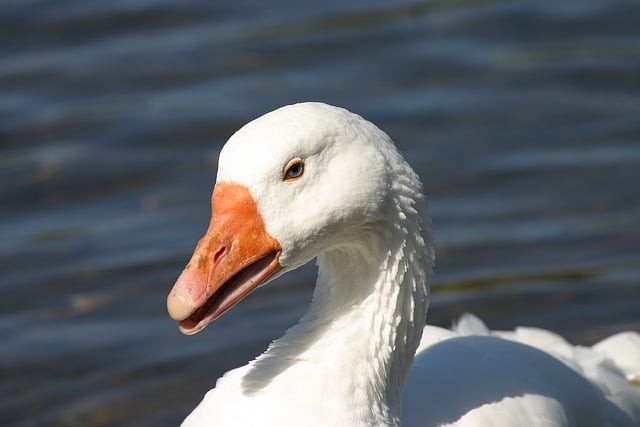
x,y
235,256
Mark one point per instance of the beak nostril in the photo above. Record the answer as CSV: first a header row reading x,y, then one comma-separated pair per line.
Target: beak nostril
x,y
219,255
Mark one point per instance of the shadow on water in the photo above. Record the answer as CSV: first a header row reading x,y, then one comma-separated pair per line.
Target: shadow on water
x,y
521,118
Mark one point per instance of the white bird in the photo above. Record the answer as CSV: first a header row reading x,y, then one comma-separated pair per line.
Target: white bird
x,y
314,181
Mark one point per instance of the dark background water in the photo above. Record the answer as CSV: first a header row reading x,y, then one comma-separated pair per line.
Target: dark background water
x,y
522,118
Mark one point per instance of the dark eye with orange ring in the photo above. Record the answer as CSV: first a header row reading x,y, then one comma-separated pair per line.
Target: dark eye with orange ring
x,y
293,170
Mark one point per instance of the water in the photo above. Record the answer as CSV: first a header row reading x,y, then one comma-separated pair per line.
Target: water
x,y
522,118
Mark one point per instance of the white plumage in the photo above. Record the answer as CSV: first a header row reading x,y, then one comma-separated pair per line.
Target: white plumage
x,y
358,208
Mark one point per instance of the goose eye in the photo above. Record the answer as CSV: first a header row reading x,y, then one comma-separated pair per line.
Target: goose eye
x,y
293,170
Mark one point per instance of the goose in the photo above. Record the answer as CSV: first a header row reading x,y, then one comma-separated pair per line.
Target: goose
x,y
313,181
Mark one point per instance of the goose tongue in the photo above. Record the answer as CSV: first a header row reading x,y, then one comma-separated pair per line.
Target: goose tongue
x,y
235,256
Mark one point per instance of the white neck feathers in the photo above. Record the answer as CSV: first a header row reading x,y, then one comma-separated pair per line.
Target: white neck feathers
x,y
354,347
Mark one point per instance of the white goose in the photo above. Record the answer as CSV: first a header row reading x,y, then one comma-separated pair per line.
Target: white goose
x,y
315,181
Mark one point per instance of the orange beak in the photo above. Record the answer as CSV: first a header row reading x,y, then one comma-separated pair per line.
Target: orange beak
x,y
234,257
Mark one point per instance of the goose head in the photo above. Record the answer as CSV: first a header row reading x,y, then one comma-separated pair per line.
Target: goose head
x,y
290,185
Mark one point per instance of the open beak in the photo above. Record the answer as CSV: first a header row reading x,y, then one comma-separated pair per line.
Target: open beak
x,y
235,256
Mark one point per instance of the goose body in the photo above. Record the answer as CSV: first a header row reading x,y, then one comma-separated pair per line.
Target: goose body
x,y
314,181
